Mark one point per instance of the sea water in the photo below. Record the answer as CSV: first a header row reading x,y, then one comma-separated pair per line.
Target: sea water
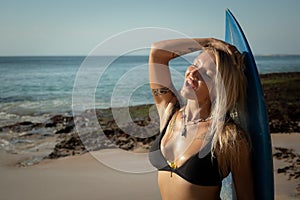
x,y
38,85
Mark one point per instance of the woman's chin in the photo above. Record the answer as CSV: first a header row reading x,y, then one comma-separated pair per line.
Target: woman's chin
x,y
188,93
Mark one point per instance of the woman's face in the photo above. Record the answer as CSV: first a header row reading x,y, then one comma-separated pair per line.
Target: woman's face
x,y
199,77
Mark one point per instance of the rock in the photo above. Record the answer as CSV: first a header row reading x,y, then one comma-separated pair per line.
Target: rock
x,y
66,129
58,119
21,127
282,97
71,145
291,158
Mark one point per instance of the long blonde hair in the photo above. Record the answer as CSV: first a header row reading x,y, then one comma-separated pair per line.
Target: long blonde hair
x,y
229,97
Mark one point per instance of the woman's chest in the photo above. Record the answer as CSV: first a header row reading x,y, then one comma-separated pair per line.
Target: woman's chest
x,y
177,147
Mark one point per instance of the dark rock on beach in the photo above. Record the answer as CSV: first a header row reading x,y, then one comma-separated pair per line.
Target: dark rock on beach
x,y
21,127
107,133
282,97
70,145
292,164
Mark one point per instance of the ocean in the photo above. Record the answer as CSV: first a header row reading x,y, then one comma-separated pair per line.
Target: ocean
x,y
34,86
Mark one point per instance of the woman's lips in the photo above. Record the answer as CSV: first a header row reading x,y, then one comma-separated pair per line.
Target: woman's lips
x,y
189,83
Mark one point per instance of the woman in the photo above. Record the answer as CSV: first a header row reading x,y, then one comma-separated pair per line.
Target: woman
x,y
200,144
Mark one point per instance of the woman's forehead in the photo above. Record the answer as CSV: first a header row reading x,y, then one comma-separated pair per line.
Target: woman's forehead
x,y
205,61
205,58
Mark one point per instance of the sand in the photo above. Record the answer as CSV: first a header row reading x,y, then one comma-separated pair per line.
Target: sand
x,y
84,177
76,177
284,188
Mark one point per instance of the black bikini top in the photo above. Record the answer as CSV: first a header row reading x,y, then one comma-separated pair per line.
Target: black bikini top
x,y
199,171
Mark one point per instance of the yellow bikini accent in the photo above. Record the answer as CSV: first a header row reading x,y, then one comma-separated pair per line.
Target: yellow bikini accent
x,y
172,165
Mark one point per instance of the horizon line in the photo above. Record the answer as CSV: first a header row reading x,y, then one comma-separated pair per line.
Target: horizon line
x,y
111,55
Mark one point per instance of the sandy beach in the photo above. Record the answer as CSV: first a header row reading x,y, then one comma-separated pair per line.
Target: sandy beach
x,y
75,177
84,177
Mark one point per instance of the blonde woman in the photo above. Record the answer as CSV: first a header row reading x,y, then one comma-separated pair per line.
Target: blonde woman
x,y
200,142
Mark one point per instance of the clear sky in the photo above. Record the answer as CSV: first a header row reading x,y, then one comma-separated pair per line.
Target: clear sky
x,y
75,27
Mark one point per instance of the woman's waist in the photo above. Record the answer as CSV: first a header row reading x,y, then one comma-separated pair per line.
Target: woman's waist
x,y
173,186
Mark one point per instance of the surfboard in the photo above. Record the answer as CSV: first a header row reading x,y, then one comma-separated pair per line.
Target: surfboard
x,y
256,120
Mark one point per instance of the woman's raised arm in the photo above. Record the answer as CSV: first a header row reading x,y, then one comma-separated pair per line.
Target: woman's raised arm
x,y
159,73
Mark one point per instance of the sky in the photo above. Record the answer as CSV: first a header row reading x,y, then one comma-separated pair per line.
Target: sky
x,y
76,27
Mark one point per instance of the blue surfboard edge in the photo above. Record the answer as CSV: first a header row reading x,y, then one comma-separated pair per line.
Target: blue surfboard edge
x,y
257,120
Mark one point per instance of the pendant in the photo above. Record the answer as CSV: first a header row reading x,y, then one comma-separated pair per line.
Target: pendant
x,y
183,132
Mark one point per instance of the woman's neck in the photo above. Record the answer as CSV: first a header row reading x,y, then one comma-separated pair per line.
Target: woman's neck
x,y
195,110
